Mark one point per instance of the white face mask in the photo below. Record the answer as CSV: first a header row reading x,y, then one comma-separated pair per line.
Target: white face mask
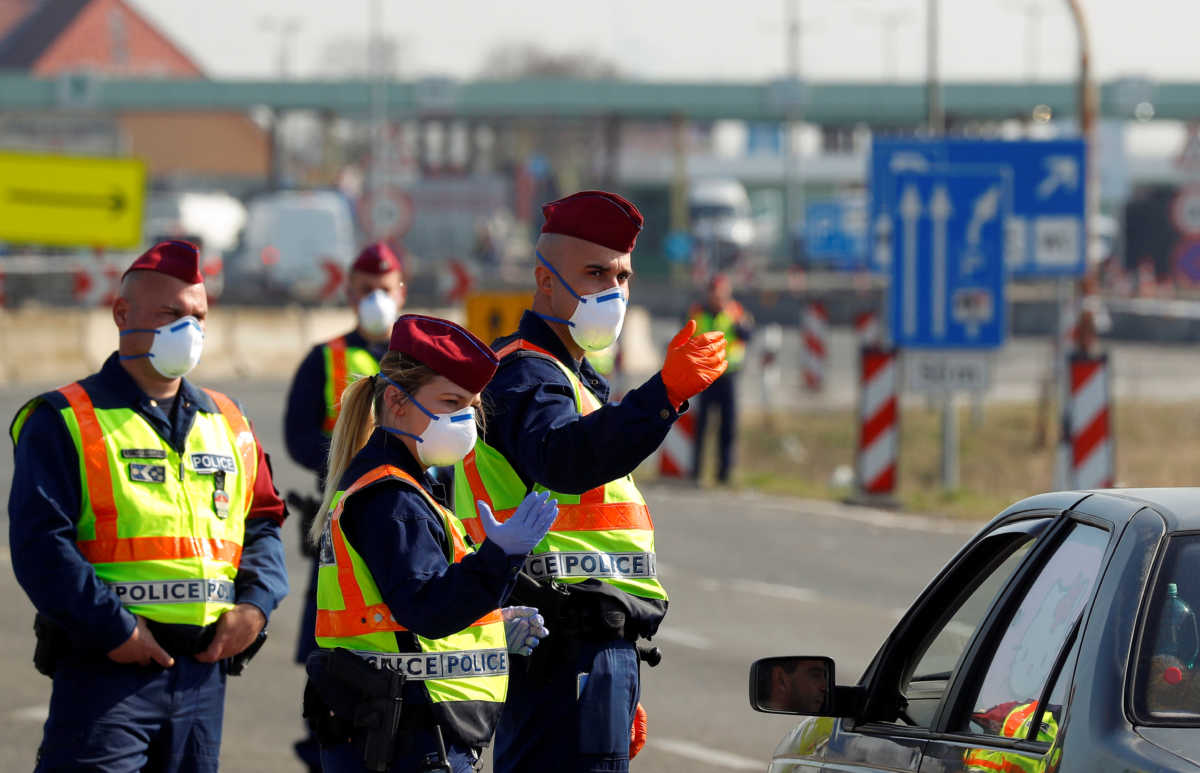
x,y
377,312
448,438
598,317
176,348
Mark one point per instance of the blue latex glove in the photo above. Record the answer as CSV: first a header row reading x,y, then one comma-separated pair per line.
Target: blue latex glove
x,y
524,628
525,528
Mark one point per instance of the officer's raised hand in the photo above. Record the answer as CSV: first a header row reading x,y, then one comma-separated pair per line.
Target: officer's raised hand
x,y
141,648
692,363
524,629
237,629
517,535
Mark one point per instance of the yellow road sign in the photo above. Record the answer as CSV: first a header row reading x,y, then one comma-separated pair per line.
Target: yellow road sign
x,y
71,200
493,314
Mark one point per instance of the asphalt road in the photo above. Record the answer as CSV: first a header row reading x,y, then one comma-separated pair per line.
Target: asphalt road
x,y
749,576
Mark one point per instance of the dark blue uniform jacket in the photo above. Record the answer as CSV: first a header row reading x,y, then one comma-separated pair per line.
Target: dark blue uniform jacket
x,y
533,422
402,541
45,501
305,417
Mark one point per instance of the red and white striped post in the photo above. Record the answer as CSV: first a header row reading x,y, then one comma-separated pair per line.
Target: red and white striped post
x,y
815,330
678,451
878,423
866,326
1088,424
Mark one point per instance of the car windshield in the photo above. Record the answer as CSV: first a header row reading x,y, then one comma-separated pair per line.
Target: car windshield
x,y
1168,686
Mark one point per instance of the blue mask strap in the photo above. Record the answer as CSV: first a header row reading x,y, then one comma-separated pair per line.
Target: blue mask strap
x,y
411,399
137,330
554,271
402,433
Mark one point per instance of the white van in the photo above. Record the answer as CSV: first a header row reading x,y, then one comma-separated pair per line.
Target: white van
x,y
722,223
297,246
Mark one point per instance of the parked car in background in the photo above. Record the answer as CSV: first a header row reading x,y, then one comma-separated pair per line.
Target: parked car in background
x,y
296,246
1063,637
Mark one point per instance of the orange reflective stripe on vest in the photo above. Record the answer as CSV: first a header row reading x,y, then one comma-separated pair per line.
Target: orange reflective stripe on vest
x,y
107,547
243,438
1012,722
340,377
358,619
95,462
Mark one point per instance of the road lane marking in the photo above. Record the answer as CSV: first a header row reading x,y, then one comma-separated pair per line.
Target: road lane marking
x,y
684,638
774,591
31,713
714,757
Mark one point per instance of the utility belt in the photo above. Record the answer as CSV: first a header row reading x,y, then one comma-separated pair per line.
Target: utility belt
x,y
54,644
349,700
575,615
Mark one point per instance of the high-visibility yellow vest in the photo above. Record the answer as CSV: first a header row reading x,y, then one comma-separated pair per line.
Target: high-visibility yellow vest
x,y
164,530
605,533
343,364
1016,725
725,322
465,673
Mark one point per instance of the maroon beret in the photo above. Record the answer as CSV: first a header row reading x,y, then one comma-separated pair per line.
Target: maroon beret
x,y
376,259
595,216
174,258
446,348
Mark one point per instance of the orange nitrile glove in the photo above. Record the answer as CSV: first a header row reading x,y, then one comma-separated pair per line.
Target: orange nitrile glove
x,y
692,363
637,734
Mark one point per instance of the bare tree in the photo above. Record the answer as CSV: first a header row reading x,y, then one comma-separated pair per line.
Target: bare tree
x,y
512,61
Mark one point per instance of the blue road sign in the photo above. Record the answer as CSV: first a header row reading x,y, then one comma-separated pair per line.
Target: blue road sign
x,y
1044,231
948,276
835,232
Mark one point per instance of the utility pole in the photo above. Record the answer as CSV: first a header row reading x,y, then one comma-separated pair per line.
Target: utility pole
x,y
1033,10
1088,106
286,29
379,97
793,182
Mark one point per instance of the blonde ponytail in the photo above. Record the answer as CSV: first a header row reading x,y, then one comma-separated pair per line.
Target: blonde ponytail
x,y
351,432
362,402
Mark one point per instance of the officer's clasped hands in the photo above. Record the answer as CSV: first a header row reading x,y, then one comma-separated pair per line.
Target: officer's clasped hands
x,y
692,363
518,535
524,628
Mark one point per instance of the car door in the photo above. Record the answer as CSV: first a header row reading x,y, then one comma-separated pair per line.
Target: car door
x,y
905,686
1010,693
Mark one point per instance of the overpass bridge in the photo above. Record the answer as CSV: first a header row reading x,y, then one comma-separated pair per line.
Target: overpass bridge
x,y
894,105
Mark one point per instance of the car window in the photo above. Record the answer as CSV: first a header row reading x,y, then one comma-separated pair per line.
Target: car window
x,y
1020,667
1168,685
993,561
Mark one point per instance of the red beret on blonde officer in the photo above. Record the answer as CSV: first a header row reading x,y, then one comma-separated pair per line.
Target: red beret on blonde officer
x,y
145,573
550,424
394,545
376,292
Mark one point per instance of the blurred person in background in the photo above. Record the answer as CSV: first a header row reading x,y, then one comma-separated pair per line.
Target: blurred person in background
x,y
145,528
551,427
413,663
721,313
375,290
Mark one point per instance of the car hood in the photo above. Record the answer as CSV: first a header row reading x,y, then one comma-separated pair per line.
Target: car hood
x,y
1182,741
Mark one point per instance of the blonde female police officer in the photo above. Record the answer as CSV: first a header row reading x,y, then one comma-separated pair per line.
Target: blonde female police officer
x,y
401,590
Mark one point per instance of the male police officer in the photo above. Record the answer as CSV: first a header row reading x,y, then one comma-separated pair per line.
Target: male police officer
x,y
144,526
722,313
548,428
376,292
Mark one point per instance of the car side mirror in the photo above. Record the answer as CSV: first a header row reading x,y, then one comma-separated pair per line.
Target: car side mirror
x,y
801,684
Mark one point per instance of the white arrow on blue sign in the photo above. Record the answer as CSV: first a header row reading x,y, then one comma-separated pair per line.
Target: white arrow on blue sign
x,y
1043,230
947,242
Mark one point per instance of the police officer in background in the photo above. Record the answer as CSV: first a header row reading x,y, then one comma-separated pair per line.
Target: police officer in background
x,y
413,664
549,429
375,290
720,312
144,526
